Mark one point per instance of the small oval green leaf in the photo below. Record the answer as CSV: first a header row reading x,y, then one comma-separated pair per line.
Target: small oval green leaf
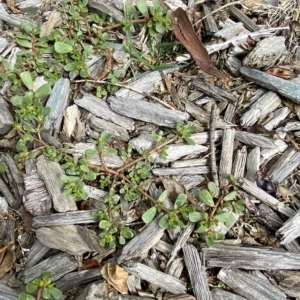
x,y
213,189
230,196
180,201
104,224
27,80
164,222
149,215
206,197
196,216
62,48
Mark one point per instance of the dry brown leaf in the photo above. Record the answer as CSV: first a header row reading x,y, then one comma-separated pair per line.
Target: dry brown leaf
x,y
55,20
279,72
185,33
116,277
11,5
7,258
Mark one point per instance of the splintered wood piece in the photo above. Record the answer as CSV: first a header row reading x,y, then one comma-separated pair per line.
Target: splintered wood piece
x,y
230,31
14,20
196,272
106,7
238,167
203,137
139,246
145,111
253,163
51,172
177,151
185,33
59,265
248,23
249,258
35,254
185,234
58,102
288,89
163,280
190,163
6,119
102,110
266,198
287,281
3,44
111,160
220,294
8,293
252,139
78,278
214,91
181,171
209,22
36,198
65,238
225,167
285,165
267,153
66,218
279,115
250,286
290,230
266,53
261,108
8,196
99,125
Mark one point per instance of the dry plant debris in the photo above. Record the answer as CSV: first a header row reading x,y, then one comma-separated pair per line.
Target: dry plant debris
x,y
126,161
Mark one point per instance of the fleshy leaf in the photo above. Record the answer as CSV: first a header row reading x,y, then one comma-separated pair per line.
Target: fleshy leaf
x,y
206,197
230,196
196,216
212,188
149,215
180,201
164,222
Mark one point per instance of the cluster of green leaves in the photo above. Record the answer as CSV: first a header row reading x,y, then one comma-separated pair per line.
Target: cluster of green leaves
x,y
31,114
45,285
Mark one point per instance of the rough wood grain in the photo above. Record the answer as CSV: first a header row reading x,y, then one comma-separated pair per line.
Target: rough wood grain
x,y
279,115
117,131
230,31
196,272
284,87
163,280
209,22
225,167
59,265
66,218
102,110
253,163
285,165
181,171
139,246
239,163
250,286
51,172
58,102
220,294
266,198
35,254
7,293
78,278
145,111
266,53
6,119
248,23
290,230
260,109
259,258
252,139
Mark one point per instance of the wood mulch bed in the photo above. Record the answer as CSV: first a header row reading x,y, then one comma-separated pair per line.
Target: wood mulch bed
x,y
243,96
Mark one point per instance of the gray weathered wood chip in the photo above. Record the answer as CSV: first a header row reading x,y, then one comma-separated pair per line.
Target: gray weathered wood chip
x,y
290,230
65,218
51,172
250,286
181,171
59,265
252,139
196,272
58,102
284,87
266,198
250,258
147,111
220,294
7,293
163,280
35,254
101,109
139,246
6,119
